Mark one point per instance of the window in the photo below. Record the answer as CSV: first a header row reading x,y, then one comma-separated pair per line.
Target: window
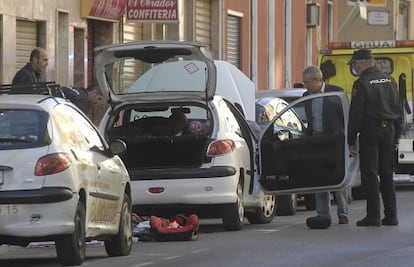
x,y
75,129
23,129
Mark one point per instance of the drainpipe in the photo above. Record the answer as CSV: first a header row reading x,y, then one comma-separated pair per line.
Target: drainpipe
x,y
253,41
288,34
271,43
181,28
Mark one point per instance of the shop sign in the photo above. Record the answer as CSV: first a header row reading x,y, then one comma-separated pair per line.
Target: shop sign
x,y
161,11
105,9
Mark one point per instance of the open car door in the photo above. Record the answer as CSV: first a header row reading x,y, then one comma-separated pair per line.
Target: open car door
x,y
297,157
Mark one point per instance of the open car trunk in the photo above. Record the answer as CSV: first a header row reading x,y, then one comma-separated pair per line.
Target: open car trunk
x,y
155,149
164,151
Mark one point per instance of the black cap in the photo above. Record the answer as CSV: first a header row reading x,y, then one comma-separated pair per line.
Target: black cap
x,y
360,54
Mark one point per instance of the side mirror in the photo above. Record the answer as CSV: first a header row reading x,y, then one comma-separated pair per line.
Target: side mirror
x,y
117,147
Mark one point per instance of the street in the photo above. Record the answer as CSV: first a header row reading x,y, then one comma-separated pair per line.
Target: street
x,y
284,242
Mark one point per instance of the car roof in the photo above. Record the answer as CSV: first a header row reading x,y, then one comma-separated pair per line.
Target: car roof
x,y
288,94
32,101
270,100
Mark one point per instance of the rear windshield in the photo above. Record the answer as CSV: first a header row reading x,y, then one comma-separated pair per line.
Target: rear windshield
x,y
23,128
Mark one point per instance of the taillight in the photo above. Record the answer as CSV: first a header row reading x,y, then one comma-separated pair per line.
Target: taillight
x,y
156,190
221,147
52,163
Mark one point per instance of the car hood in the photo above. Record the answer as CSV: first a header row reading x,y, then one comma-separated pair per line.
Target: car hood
x,y
168,71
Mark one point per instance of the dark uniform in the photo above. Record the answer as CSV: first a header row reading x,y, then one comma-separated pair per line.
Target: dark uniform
x,y
375,113
78,96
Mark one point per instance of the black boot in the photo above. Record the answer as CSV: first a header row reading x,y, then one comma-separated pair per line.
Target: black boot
x,y
389,221
318,222
369,222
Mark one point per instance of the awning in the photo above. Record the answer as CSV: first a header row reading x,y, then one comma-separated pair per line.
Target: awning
x,y
103,9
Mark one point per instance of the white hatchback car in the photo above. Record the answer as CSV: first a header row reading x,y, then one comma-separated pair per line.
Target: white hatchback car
x,y
59,179
212,167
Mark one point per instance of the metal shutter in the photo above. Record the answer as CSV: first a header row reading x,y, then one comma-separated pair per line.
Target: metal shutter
x,y
233,40
26,40
91,55
131,32
203,21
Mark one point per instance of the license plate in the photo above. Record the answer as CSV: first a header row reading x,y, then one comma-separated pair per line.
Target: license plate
x,y
9,209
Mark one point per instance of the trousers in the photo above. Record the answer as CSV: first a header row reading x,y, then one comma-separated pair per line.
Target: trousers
x,y
376,166
323,203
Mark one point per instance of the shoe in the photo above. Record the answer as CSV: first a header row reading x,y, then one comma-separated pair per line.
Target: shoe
x,y
343,219
369,222
318,222
389,221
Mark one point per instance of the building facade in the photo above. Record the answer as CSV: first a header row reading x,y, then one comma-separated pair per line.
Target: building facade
x,y
271,41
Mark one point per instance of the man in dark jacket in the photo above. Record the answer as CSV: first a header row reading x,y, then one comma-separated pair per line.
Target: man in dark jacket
x,y
376,115
324,117
33,73
84,99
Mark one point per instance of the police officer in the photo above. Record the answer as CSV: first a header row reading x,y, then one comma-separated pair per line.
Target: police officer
x,y
376,115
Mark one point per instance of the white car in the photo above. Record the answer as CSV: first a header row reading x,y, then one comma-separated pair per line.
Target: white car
x,y
59,179
212,169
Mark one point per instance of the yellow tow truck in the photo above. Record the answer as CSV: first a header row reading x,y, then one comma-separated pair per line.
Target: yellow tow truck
x,y
393,57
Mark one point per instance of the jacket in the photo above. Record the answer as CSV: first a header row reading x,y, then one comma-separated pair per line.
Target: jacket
x,y
332,119
25,80
375,97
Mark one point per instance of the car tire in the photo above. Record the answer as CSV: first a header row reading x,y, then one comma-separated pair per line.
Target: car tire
x,y
233,214
310,202
70,249
120,245
265,213
286,205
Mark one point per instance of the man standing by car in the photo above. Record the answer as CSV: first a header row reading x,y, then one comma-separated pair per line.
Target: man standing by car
x,y
34,72
323,118
375,114
84,99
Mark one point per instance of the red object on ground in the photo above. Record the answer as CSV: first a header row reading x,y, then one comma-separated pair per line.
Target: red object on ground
x,y
181,229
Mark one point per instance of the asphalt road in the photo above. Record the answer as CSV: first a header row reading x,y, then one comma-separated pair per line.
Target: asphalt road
x,y
284,242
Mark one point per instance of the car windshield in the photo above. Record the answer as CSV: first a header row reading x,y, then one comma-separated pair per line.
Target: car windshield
x,y
139,75
23,128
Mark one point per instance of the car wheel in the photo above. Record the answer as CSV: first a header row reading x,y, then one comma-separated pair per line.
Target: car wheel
x,y
286,205
265,213
310,202
70,249
233,214
120,245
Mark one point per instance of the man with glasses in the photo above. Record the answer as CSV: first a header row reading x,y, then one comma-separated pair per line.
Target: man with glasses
x,y
324,117
375,115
